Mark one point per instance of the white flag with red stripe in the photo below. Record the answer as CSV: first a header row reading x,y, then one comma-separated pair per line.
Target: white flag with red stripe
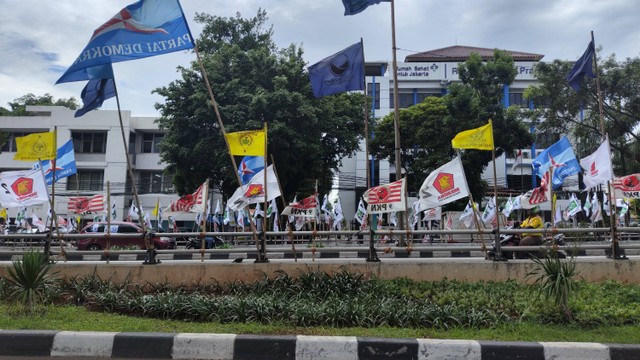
x,y
306,208
83,204
188,203
386,198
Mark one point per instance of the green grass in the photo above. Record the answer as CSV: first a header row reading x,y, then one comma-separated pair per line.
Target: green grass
x,y
73,318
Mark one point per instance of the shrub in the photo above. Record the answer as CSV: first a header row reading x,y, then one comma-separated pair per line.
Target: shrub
x,y
29,280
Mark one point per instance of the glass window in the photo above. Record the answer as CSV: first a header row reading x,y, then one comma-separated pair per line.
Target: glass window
x,y
10,145
127,229
87,180
155,182
151,142
89,142
516,98
405,99
376,101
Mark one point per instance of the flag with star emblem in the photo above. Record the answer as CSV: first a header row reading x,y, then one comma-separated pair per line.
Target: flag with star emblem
x,y
249,167
561,158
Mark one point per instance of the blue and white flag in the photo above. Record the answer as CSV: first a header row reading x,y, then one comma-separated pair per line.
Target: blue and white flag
x,y
560,156
142,29
95,93
352,7
249,167
65,163
340,72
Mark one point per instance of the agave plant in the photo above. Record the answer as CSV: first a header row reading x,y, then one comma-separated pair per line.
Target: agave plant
x,y
29,280
556,279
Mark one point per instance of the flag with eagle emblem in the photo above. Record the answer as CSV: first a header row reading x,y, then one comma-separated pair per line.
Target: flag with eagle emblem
x,y
444,185
386,198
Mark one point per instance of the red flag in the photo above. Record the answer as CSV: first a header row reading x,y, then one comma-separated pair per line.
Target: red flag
x,y
82,204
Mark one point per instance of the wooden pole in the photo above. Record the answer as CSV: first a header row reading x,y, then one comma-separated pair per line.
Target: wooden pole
x,y
396,113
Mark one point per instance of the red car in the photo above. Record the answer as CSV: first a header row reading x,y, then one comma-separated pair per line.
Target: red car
x,y
120,227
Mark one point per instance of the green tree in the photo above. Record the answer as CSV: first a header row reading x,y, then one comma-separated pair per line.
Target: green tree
x,y
562,110
253,81
426,129
18,106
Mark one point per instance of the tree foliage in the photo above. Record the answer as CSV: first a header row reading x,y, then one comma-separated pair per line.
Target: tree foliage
x,y
18,106
253,81
562,110
426,129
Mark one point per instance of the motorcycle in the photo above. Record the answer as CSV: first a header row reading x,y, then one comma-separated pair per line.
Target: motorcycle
x,y
210,242
514,240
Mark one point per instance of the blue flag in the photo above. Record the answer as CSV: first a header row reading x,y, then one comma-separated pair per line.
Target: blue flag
x,y
249,166
142,29
352,7
582,67
95,93
65,163
560,156
340,72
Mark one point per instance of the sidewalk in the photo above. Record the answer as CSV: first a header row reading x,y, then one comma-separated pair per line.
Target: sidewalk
x,y
27,344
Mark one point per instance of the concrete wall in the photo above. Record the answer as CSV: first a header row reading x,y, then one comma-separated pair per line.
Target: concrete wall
x,y
470,269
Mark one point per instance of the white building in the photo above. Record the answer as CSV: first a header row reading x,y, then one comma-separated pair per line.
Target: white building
x,y
421,75
99,154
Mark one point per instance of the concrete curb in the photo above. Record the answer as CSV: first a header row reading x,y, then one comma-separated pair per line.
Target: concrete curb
x,y
68,344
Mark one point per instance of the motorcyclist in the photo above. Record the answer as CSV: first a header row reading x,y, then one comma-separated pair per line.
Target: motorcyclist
x,y
533,221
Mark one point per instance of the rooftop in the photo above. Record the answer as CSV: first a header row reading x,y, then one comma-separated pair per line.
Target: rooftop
x,y
462,53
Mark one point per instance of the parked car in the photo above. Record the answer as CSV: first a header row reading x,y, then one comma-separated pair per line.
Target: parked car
x,y
119,227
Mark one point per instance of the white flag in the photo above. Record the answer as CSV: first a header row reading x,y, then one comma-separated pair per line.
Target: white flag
x,y
337,214
574,206
361,213
597,166
517,162
623,204
489,211
466,217
434,214
508,207
22,188
444,185
596,210
393,219
587,206
558,215
35,221
605,204
253,192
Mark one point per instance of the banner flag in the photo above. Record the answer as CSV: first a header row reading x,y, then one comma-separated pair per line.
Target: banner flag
x,y
480,138
598,167
84,204
560,156
22,188
95,93
253,191
143,29
361,213
250,142
352,7
444,185
386,198
627,186
37,146
340,72
306,207
189,202
582,67
249,166
65,163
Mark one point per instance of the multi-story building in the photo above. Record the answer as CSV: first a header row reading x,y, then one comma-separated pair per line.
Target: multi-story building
x,y
99,154
426,74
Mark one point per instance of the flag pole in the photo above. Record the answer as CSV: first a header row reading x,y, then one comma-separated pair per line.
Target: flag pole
x,y
498,255
108,219
275,172
615,248
151,254
203,219
396,114
262,253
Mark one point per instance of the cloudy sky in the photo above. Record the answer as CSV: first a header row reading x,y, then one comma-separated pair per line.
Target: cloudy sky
x,y
39,39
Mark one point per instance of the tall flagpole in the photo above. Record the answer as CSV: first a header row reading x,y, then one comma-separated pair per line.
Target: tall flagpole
x,y
262,253
498,255
396,115
615,248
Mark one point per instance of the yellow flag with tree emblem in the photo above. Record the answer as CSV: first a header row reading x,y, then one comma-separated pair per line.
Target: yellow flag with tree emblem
x,y
247,143
480,138
38,146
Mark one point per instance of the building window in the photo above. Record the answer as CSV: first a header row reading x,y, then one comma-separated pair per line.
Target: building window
x,y
155,182
376,100
405,99
517,99
10,145
150,143
87,180
420,96
89,142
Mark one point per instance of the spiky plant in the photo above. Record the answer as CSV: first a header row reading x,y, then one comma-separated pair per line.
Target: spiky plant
x,y
556,279
29,280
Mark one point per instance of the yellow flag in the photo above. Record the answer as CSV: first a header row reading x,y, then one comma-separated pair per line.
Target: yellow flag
x,y
3,214
155,209
247,143
38,146
480,138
